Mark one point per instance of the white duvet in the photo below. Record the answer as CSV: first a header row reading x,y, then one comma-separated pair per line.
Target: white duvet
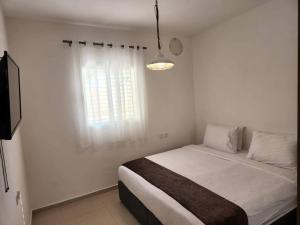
x,y
265,192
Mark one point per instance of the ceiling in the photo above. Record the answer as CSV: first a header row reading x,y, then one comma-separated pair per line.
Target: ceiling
x,y
185,17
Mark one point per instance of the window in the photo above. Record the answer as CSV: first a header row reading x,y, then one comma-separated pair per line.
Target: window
x,y
110,95
109,98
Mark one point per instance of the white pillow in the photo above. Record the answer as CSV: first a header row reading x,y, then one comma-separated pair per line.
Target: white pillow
x,y
277,149
222,138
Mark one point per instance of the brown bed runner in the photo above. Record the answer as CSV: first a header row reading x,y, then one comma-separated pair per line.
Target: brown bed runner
x,y
206,205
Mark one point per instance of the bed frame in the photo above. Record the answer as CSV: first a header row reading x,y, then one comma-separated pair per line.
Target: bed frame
x,y
146,217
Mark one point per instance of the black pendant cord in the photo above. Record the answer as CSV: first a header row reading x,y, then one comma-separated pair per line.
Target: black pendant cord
x,y
157,24
4,167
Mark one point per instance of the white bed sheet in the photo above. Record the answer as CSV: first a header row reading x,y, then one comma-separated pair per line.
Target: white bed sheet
x,y
265,192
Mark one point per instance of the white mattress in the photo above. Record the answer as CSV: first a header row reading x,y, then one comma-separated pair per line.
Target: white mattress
x,y
265,192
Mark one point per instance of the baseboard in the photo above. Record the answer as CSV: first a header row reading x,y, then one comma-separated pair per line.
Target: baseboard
x,y
35,211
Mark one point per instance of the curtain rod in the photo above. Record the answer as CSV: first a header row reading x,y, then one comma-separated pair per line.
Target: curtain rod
x,y
70,42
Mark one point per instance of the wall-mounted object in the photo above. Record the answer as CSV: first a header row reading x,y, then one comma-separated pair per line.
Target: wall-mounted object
x,y
10,105
2,157
176,46
10,97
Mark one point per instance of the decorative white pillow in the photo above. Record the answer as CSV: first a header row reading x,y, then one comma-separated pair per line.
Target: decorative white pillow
x,y
277,149
222,138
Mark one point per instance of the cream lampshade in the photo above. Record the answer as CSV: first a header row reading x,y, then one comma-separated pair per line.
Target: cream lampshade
x,y
160,62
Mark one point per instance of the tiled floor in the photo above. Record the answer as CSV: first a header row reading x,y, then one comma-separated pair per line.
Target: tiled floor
x,y
101,209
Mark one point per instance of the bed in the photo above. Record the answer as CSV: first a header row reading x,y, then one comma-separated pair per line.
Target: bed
x,y
267,194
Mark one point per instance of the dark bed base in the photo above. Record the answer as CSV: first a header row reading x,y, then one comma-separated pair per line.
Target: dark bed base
x,y
134,205
146,217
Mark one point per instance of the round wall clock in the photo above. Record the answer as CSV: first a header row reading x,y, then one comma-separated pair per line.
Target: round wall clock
x,y
176,46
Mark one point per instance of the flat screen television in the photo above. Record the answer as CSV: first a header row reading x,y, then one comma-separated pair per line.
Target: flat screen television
x,y
10,97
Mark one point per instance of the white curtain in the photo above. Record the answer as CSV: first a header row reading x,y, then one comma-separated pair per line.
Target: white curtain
x,y
109,95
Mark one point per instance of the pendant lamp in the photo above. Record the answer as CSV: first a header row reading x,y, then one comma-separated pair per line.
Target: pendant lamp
x,y
160,62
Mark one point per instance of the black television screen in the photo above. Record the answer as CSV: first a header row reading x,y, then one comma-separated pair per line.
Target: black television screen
x,y
10,97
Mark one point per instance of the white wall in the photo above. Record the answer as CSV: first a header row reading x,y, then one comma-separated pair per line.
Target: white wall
x,y
245,70
57,169
10,212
